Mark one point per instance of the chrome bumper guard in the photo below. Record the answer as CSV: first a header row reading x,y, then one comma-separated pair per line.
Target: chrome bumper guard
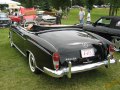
x,y
74,69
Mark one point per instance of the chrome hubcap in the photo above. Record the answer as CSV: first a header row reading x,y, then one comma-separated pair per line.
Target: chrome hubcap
x,y
32,62
11,42
116,43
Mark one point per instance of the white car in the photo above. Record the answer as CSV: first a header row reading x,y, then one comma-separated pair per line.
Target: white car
x,y
45,17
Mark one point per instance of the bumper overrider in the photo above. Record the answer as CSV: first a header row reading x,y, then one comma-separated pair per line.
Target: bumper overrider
x,y
80,68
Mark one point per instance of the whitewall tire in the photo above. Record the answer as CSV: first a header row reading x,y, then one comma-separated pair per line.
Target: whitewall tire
x,y
11,40
32,63
116,43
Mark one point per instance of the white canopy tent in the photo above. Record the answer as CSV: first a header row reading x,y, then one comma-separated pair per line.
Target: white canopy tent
x,y
9,2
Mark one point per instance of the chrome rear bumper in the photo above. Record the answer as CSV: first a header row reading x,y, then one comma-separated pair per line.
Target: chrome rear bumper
x,y
74,69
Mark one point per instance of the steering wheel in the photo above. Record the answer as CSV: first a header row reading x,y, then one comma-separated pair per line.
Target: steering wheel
x,y
28,23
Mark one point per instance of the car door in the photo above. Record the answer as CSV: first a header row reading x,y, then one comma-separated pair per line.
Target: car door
x,y
19,38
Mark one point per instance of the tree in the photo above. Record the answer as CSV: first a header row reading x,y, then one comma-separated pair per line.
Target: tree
x,y
27,3
114,6
60,3
79,2
89,4
100,2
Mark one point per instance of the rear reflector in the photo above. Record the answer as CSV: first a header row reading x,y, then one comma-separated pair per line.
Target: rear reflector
x,y
56,59
111,48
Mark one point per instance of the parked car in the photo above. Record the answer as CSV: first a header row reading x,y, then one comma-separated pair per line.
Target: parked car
x,y
4,20
59,50
75,6
45,17
24,15
107,27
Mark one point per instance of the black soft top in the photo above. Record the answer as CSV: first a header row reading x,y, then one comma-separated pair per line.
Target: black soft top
x,y
38,28
112,17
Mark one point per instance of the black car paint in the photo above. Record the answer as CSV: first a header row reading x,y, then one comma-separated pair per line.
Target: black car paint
x,y
31,43
44,44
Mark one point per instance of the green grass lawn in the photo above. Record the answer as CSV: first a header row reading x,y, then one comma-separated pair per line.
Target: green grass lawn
x,y
15,73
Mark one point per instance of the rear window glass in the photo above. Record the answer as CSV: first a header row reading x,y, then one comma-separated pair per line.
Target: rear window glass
x,y
104,21
118,24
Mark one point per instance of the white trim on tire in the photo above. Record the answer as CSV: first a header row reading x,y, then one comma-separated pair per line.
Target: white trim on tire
x,y
11,41
116,43
32,63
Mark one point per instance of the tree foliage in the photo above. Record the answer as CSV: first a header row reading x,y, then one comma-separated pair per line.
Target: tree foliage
x,y
60,3
89,4
100,2
114,6
47,4
79,2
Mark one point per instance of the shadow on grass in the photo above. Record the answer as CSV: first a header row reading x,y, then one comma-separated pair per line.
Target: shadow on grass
x,y
81,78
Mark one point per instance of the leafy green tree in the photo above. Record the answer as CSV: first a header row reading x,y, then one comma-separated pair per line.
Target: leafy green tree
x,y
60,3
100,2
46,5
89,4
114,6
27,3
79,2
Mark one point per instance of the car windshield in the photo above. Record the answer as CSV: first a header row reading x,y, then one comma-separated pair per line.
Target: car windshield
x,y
3,15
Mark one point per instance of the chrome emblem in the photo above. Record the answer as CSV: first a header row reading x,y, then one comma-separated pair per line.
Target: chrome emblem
x,y
68,59
85,45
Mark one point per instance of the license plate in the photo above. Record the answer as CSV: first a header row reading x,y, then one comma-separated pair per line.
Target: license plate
x,y
87,53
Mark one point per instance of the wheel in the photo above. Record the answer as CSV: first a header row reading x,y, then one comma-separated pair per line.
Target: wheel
x,y
11,40
116,43
32,63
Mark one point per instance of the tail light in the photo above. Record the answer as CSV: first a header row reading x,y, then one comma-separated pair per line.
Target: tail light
x,y
56,59
111,49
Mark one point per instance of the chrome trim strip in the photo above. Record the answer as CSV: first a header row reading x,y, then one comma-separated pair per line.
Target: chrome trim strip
x,y
49,43
39,68
19,50
80,68
38,46
21,35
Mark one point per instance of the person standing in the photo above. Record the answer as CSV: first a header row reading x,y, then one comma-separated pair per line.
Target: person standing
x,y
59,16
88,17
81,15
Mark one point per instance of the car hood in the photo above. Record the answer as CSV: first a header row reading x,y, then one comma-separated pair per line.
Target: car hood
x,y
48,17
61,39
70,43
4,18
69,40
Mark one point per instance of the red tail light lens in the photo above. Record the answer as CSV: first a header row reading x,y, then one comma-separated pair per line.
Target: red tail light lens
x,y
56,59
111,49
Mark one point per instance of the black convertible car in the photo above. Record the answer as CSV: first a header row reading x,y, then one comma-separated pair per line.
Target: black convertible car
x,y
4,20
59,50
107,27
